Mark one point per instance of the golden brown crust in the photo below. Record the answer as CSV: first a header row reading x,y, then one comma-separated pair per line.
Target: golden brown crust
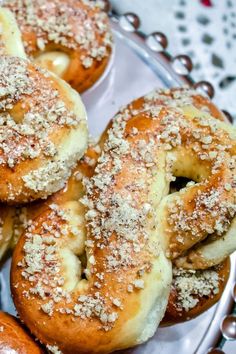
x,y
14,220
179,97
76,32
14,338
119,290
40,116
194,292
72,191
196,148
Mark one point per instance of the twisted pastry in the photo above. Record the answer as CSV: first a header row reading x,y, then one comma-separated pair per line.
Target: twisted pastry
x,y
202,149
117,297
14,338
92,309
192,292
43,131
71,38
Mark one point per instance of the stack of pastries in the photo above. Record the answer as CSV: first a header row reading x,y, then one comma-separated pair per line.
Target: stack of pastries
x,y
107,246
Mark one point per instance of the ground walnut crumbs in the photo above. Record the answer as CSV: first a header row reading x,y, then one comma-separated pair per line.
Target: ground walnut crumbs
x,y
64,23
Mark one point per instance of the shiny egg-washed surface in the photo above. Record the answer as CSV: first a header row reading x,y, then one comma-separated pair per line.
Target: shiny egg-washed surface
x,y
41,117
14,338
192,292
127,278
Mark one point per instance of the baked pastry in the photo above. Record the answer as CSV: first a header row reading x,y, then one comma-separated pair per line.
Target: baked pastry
x,y
10,44
82,302
202,149
192,291
10,36
109,278
14,220
14,338
43,131
122,282
71,38
195,291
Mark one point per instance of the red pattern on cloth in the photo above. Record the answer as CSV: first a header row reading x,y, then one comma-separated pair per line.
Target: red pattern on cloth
x,y
207,3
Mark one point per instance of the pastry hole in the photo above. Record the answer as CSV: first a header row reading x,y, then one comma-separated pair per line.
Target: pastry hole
x,y
73,268
56,61
83,261
179,183
83,276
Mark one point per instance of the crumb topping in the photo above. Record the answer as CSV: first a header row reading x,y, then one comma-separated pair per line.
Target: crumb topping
x,y
53,349
121,211
192,285
79,26
207,204
41,253
30,110
213,199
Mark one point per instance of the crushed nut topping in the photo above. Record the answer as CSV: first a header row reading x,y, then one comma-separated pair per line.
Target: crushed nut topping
x,y
194,284
121,201
79,26
25,127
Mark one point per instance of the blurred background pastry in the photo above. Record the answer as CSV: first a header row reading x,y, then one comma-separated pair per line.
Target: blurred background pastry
x,y
71,38
14,338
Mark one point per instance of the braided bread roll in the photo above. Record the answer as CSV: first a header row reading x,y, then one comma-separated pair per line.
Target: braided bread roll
x,y
109,279
192,291
68,37
43,124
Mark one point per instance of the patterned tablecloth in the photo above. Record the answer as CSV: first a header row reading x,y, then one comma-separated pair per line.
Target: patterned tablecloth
x,y
203,29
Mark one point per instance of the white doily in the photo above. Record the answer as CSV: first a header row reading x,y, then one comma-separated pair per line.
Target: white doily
x,y
205,30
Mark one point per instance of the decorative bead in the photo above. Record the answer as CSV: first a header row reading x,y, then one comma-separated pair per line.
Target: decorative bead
x,y
215,351
228,327
230,118
205,87
157,41
182,64
129,22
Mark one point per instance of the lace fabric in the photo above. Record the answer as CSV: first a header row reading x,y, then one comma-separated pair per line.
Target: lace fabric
x,y
203,29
